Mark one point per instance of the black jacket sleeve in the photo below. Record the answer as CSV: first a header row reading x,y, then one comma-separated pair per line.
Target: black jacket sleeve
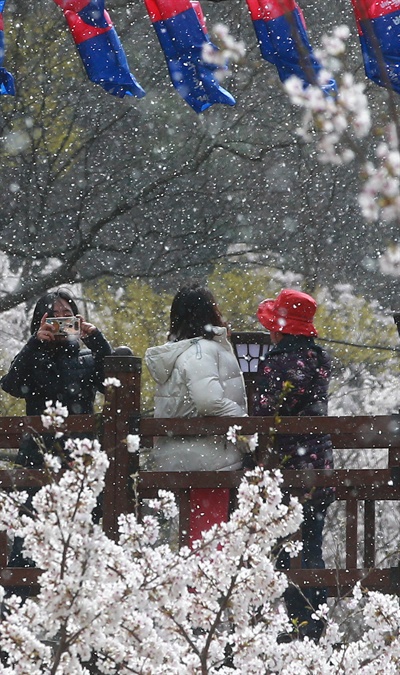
x,y
100,347
17,381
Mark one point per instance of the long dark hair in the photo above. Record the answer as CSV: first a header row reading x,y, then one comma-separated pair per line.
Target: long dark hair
x,y
46,304
193,313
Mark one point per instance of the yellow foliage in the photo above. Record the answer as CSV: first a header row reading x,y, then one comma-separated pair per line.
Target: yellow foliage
x,y
354,320
11,406
239,292
137,317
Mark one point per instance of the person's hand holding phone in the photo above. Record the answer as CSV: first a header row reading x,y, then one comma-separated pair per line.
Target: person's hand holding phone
x,y
46,330
86,328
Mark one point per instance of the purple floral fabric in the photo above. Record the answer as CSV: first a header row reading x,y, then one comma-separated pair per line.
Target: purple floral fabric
x,y
307,368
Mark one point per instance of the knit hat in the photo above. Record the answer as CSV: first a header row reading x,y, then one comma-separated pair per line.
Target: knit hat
x,y
291,312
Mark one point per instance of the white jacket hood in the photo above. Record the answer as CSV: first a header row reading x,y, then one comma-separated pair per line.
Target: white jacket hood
x,y
161,360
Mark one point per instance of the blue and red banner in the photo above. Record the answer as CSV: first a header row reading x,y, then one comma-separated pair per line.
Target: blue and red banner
x,y
99,47
378,24
180,28
6,79
282,36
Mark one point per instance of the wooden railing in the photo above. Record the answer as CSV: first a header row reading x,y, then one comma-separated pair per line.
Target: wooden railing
x,y
352,485
121,416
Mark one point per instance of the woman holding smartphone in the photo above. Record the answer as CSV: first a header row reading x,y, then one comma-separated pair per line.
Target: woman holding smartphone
x,y
54,367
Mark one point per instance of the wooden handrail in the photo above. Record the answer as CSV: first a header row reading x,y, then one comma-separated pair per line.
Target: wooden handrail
x,y
12,428
378,430
343,480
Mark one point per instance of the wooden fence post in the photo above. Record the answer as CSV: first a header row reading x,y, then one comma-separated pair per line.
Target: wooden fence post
x,y
121,416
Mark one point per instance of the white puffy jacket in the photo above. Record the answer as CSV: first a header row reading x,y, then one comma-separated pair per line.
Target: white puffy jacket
x,y
197,377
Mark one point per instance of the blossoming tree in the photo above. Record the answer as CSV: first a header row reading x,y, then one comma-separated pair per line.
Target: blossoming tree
x,y
138,606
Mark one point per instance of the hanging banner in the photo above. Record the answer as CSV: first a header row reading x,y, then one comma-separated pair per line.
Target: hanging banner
x,y
378,25
99,47
282,36
6,79
180,28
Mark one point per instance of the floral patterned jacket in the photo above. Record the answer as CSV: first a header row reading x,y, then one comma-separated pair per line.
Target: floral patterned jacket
x,y
302,363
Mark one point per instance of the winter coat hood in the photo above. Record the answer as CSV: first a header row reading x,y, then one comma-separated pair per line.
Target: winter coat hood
x,y
161,360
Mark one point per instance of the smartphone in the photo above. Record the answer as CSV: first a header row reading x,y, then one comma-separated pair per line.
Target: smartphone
x,y
66,326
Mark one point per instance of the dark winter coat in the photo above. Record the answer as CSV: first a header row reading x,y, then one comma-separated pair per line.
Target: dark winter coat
x,y
44,371
298,360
